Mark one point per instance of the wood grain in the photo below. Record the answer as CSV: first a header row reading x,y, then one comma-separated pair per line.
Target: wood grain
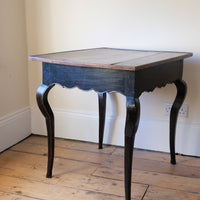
x,y
77,176
45,191
119,59
72,144
9,196
112,160
153,178
150,155
157,193
83,156
113,150
23,167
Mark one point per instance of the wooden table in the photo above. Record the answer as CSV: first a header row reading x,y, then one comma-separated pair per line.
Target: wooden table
x,y
107,70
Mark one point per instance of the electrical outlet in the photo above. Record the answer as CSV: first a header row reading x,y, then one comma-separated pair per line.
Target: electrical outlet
x,y
183,111
168,107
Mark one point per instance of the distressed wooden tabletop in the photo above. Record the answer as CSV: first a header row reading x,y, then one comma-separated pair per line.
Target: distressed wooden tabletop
x,y
120,59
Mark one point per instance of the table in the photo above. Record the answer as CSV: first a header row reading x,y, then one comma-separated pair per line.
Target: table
x,y
107,70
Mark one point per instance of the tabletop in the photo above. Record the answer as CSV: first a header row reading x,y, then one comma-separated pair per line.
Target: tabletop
x,y
110,58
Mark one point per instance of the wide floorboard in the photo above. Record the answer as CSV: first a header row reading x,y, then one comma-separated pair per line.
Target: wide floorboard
x,y
82,171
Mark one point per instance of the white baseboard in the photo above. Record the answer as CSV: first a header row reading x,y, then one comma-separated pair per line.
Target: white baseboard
x,y
151,135
14,127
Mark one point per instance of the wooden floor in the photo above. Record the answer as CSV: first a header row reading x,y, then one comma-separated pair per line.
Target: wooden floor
x,y
81,171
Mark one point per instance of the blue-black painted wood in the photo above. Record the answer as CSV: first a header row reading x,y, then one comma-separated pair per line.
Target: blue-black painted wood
x,y
102,113
100,80
131,126
157,76
181,93
42,100
128,83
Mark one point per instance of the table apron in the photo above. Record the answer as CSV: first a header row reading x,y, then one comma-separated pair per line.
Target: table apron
x,y
158,76
128,83
97,79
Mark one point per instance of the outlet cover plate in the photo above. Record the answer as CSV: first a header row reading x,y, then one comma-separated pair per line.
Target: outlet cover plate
x,y
183,111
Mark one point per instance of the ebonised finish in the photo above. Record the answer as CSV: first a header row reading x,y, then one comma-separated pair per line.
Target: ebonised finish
x,y
181,93
102,113
42,100
131,126
105,70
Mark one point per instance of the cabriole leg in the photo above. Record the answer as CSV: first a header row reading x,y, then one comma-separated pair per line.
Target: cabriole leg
x,y
181,93
42,100
102,113
132,121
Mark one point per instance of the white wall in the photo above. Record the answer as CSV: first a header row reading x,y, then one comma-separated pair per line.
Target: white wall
x,y
14,99
59,25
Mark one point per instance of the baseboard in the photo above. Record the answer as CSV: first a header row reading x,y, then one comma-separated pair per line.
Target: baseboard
x,y
14,127
151,135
